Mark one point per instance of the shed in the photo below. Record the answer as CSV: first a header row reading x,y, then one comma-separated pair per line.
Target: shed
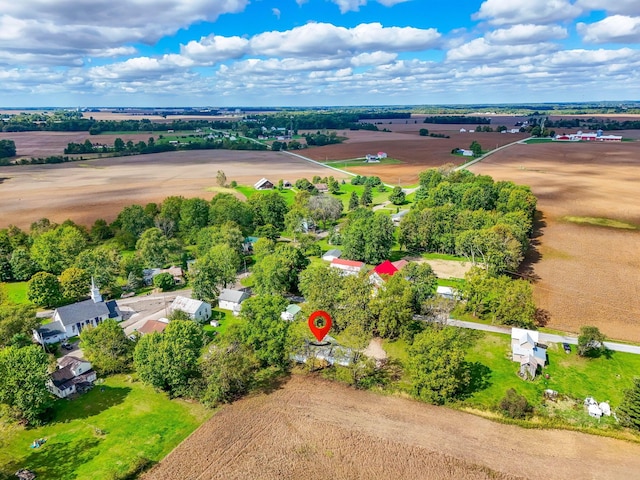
x,y
291,312
263,184
446,292
332,255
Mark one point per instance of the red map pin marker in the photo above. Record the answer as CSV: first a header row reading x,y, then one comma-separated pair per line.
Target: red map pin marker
x,y
320,331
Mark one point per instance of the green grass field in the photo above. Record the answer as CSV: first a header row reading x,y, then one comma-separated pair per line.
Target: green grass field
x,y
287,194
102,433
602,222
359,162
16,292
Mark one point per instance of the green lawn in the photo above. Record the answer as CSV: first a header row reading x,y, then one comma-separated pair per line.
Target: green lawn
x,y
247,191
604,378
226,319
16,292
102,433
443,256
359,162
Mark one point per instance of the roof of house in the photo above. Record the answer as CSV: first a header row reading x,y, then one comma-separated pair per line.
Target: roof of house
x,y
385,268
400,264
293,309
347,263
233,296
65,374
151,326
442,290
188,305
333,253
261,182
85,310
321,186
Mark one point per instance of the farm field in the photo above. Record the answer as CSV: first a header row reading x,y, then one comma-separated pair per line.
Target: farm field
x,y
86,190
316,429
584,273
416,153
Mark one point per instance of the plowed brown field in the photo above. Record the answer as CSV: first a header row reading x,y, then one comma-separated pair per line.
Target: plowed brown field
x,y
584,274
314,429
86,190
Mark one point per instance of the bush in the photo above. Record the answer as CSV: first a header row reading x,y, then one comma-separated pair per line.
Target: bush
x,y
164,281
514,405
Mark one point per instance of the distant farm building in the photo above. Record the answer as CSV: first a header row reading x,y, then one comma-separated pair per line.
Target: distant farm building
x,y
527,351
332,254
347,267
263,184
588,137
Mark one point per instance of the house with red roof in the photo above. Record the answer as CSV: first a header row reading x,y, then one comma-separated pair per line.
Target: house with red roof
x,y
347,267
388,268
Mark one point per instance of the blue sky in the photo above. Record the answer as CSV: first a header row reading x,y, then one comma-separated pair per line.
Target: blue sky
x,y
317,52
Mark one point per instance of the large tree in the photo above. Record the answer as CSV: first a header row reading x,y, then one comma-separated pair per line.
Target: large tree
x,y
213,271
23,383
75,284
44,290
57,249
227,373
102,264
107,347
278,272
268,209
194,215
169,360
436,364
321,287
265,332
591,341
325,208
22,266
392,307
130,224
154,248
16,323
367,236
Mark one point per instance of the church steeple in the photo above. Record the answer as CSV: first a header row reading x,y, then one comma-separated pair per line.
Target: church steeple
x,y
95,292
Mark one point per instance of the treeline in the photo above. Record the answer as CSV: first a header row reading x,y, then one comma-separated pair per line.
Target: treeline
x,y
453,119
7,148
594,124
459,213
312,121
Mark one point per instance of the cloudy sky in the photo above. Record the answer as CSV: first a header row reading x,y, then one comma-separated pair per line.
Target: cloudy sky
x,y
316,52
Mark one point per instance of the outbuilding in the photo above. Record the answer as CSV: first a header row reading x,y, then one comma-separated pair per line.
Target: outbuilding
x,y
232,300
196,309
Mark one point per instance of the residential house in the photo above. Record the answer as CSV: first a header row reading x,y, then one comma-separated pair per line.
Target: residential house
x,y
148,274
446,292
287,184
232,300
371,158
321,187
68,321
196,309
151,326
382,155
291,312
386,268
347,267
247,245
263,184
72,376
465,153
329,351
332,255
527,351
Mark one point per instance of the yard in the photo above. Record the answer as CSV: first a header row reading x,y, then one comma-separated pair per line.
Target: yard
x,y
16,292
493,373
104,433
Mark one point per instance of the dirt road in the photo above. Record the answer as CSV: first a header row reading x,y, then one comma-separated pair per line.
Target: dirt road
x,y
315,429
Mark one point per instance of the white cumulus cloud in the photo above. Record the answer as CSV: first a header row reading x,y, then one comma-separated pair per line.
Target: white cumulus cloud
x,y
511,12
614,29
523,34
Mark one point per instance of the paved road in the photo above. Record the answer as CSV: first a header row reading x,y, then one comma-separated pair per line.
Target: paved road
x,y
490,152
544,337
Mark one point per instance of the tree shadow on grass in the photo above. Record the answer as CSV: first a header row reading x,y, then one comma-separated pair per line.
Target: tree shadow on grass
x,y
479,378
99,399
533,255
58,460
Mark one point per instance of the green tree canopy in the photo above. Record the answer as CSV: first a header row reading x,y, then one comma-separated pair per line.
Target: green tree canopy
x,y
629,410
155,248
436,364
213,271
44,290
397,196
57,249
591,341
170,360
265,332
75,284
392,307
107,348
23,383
16,320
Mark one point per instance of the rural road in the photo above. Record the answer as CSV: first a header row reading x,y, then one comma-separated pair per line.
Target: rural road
x,y
490,152
544,337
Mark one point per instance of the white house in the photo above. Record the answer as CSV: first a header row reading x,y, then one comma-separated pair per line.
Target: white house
x,y
382,155
68,321
446,292
196,309
396,218
347,267
73,376
232,300
291,312
527,351
332,255
465,153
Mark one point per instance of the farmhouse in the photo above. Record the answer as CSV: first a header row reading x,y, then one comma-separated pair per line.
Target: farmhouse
x,y
446,292
330,351
321,187
151,326
579,136
371,158
387,268
527,351
232,300
332,254
68,321
148,274
73,376
263,184
347,267
196,309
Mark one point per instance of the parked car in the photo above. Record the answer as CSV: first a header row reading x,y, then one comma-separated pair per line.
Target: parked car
x,y
66,346
567,347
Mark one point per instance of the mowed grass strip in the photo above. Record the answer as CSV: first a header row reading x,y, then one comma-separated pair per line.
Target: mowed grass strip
x,y
602,222
102,433
16,292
